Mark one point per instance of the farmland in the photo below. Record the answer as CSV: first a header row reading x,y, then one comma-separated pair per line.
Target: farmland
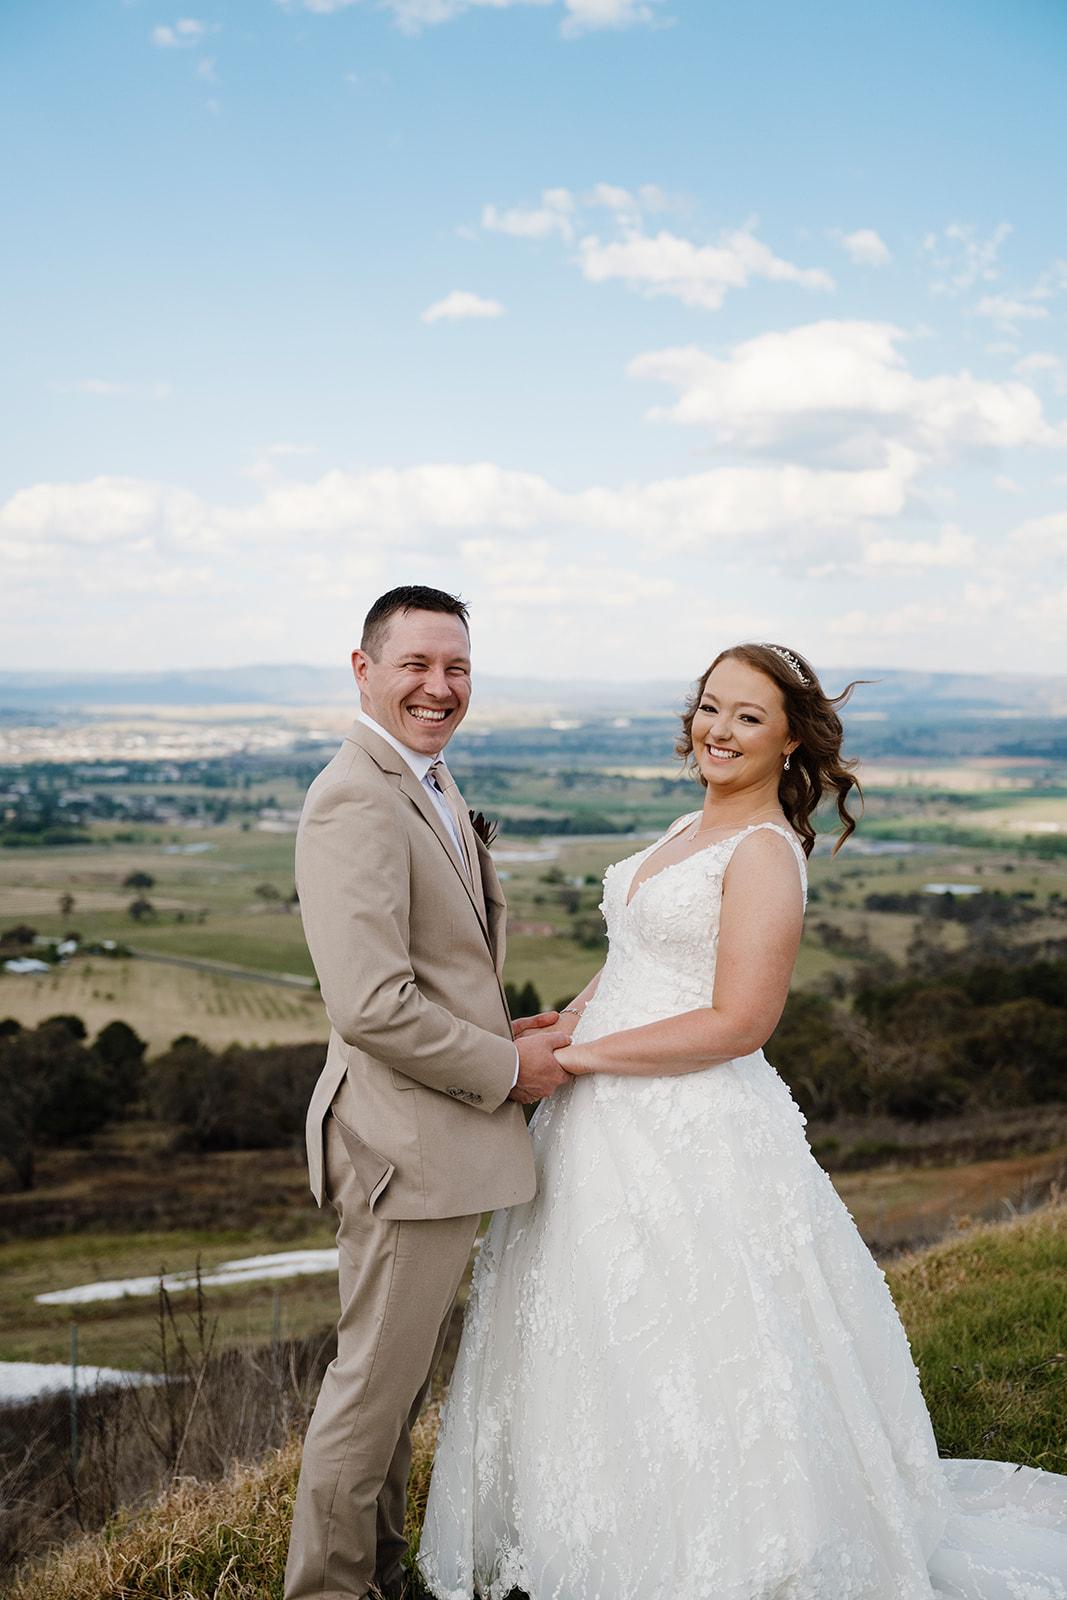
x,y
169,880
219,953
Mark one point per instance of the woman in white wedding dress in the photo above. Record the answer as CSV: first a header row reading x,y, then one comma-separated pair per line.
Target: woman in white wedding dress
x,y
682,1376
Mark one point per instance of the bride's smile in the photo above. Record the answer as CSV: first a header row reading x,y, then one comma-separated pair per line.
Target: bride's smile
x,y
740,731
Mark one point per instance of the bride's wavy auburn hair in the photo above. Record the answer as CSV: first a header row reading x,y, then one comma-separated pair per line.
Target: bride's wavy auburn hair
x,y
817,764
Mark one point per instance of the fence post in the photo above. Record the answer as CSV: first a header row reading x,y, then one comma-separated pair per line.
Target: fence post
x,y
73,1402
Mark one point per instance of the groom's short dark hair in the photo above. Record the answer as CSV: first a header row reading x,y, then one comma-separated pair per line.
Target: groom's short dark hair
x,y
409,597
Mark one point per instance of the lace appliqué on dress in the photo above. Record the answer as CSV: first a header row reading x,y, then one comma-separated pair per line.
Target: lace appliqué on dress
x,y
682,1376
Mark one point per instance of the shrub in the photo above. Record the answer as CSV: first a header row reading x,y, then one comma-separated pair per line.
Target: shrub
x,y
240,1099
52,1091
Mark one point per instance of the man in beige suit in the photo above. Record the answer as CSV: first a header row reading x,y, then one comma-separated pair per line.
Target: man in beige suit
x,y
415,1126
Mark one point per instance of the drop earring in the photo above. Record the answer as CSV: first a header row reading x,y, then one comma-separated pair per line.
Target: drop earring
x,y
785,768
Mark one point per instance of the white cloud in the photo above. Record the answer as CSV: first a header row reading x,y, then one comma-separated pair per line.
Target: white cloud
x,y
104,510
538,559
474,500
1047,612
866,248
560,211
534,575
1052,281
962,259
265,467
579,16
843,389
1007,310
553,215
914,618
1043,362
660,264
588,16
625,206
1041,539
698,275
460,306
966,615
187,31
952,549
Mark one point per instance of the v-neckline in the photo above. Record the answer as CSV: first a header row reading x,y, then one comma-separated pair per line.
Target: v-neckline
x,y
633,892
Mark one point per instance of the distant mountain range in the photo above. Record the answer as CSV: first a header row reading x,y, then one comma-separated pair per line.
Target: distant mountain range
x,y
894,693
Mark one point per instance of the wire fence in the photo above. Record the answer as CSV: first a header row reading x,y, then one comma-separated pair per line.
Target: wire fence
x,y
99,1440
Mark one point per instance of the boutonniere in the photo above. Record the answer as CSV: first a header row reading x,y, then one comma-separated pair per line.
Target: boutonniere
x,y
486,830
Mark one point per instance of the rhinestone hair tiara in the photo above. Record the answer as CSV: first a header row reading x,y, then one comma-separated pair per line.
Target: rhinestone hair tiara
x,y
790,660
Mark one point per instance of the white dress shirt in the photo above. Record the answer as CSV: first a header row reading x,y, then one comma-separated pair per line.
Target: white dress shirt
x,y
420,766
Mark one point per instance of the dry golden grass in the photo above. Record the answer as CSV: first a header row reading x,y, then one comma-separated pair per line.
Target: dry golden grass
x,y
200,1541
986,1313
210,1541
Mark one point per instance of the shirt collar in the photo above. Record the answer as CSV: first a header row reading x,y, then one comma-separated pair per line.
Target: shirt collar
x,y
420,764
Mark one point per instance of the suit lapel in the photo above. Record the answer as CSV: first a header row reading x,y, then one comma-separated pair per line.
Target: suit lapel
x,y
470,839
496,907
391,761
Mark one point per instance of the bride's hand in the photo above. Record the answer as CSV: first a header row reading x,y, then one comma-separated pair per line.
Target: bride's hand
x,y
577,1059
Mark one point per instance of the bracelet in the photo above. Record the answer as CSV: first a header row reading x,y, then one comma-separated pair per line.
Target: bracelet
x,y
572,1009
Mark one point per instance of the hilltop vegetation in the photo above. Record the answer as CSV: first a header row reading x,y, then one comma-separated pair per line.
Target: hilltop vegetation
x,y
984,1313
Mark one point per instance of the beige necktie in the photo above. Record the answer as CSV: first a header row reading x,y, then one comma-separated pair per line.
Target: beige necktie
x,y
445,784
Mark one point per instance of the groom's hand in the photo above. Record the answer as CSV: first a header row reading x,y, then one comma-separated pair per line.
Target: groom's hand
x,y
543,1019
540,1074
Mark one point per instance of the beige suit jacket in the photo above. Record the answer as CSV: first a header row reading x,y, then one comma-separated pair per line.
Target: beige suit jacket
x,y
409,965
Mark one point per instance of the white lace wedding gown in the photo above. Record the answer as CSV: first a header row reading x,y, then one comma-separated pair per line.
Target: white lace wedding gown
x,y
682,1376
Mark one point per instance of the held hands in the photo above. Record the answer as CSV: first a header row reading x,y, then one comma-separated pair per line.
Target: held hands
x,y
547,1059
543,1019
540,1074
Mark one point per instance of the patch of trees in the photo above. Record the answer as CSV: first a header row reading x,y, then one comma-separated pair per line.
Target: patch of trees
x,y
58,1089
234,1099
524,1000
981,1036
990,907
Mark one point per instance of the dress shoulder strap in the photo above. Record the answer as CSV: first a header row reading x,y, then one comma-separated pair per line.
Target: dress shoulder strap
x,y
788,834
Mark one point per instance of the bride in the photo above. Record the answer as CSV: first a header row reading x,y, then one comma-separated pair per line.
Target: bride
x,y
682,1376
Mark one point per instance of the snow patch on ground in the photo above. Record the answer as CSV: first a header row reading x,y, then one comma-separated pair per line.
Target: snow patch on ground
x,y
28,1380
251,1269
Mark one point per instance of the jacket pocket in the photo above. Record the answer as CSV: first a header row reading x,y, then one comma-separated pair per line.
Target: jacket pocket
x,y
401,1080
373,1170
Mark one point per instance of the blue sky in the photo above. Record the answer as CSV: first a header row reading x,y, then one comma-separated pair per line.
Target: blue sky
x,y
647,325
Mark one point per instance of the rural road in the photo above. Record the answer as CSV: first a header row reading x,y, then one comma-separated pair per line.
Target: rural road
x,y
279,980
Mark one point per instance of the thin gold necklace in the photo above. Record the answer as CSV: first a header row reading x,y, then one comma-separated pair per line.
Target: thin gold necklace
x,y
738,828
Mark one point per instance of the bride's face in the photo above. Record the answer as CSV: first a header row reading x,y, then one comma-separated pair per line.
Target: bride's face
x,y
740,731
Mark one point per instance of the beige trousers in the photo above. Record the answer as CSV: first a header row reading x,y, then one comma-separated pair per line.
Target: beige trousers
x,y
398,1282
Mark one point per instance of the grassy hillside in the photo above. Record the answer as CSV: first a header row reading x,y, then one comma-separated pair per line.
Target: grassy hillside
x,y
986,1314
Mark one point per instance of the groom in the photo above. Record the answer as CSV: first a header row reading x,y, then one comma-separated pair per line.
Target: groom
x,y
414,1127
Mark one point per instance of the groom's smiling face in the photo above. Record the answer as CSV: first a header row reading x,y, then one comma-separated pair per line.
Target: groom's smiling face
x,y
418,687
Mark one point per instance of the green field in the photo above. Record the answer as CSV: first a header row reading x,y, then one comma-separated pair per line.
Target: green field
x,y
206,908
